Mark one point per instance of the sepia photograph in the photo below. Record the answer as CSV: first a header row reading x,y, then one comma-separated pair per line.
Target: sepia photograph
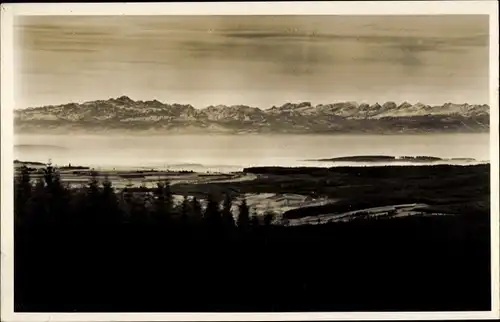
x,y
159,159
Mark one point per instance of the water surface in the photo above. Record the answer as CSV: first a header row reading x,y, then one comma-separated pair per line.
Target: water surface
x,y
233,152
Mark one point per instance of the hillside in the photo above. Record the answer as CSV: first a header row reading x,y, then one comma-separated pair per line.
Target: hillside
x,y
125,114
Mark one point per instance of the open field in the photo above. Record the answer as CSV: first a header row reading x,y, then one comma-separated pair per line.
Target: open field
x,y
324,193
442,188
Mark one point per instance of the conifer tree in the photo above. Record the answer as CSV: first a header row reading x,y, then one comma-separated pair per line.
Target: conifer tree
x,y
22,195
169,197
185,211
55,198
268,218
48,174
227,215
109,202
254,220
196,213
78,204
243,215
126,202
139,211
93,199
38,210
163,202
212,214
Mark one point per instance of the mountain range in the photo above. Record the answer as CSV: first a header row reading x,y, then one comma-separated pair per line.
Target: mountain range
x,y
125,114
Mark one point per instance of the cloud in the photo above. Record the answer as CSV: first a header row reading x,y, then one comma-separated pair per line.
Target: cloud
x,y
289,58
400,49
429,41
280,55
408,51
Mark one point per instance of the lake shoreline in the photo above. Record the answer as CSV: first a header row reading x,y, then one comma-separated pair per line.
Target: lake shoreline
x,y
229,153
297,192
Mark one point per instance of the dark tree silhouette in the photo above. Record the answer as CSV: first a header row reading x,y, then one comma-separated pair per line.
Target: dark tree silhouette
x,y
126,202
227,215
93,199
254,220
184,210
48,174
38,209
61,199
160,208
268,218
111,211
22,194
55,195
169,198
196,211
243,215
138,208
212,214
163,202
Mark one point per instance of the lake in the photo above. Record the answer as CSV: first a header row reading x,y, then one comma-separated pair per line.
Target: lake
x,y
233,152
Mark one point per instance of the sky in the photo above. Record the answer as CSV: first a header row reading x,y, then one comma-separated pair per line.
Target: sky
x,y
259,61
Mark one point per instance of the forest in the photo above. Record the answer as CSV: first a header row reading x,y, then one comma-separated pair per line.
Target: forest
x,y
100,249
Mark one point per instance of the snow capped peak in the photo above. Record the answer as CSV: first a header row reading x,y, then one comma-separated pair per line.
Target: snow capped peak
x,y
364,106
300,117
352,103
124,99
404,105
304,104
389,105
287,106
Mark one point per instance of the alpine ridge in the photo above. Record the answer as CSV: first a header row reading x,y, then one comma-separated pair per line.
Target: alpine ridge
x,y
125,114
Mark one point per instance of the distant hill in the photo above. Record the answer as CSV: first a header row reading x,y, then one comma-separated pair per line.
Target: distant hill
x,y
27,163
38,147
125,114
387,158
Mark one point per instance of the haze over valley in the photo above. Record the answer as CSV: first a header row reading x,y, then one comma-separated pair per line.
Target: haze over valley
x,y
223,153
